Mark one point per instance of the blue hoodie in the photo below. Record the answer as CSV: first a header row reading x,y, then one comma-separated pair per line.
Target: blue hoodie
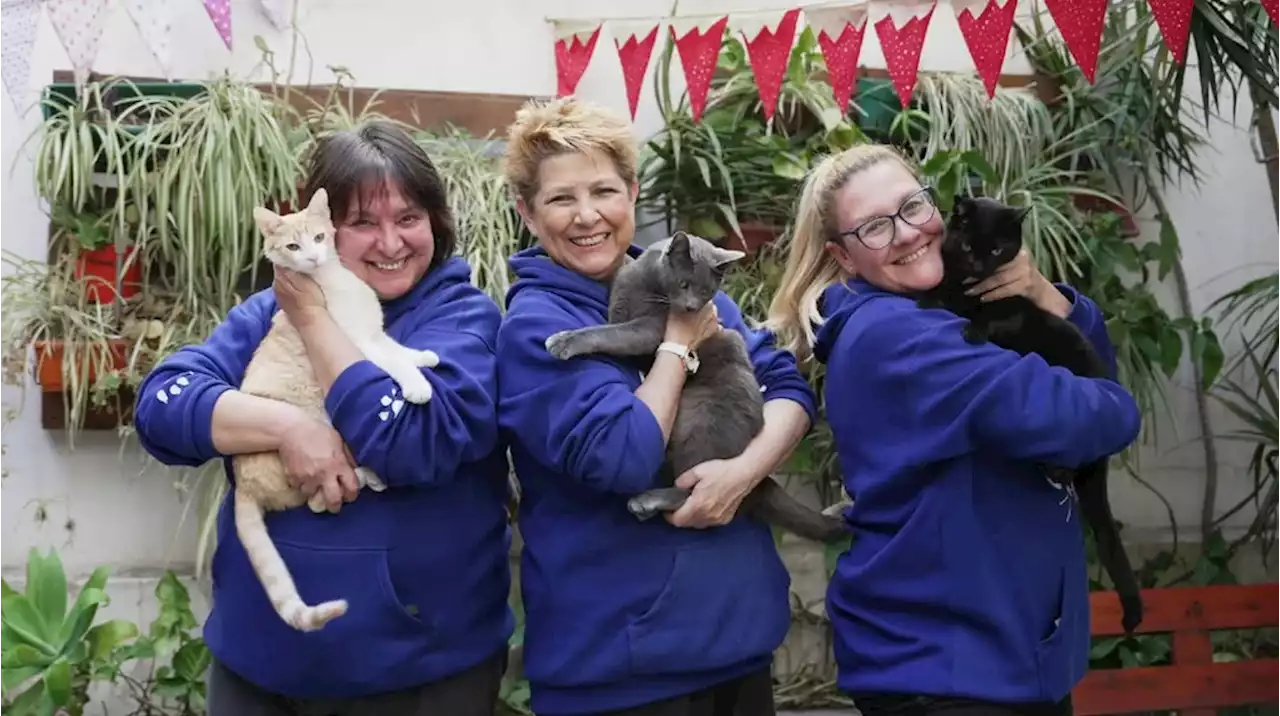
x,y
966,576
620,612
423,564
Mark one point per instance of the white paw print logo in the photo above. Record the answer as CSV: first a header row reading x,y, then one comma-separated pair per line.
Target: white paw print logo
x,y
391,405
175,389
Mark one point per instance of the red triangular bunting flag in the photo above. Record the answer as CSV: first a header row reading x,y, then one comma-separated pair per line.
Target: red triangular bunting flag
x,y
1080,22
1173,17
1273,9
840,30
901,46
572,57
698,53
987,35
634,57
769,52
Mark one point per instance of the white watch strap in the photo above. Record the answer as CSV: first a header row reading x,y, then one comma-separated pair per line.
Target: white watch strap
x,y
689,357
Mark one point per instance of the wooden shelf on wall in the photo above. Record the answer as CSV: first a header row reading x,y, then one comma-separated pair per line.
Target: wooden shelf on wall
x,y
478,113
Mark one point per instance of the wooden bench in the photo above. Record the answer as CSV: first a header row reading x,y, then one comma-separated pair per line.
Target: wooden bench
x,y
1193,684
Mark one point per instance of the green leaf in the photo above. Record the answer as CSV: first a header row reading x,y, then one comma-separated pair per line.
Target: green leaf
x,y
32,702
13,678
1170,350
1211,358
5,589
23,655
192,660
789,166
106,636
25,622
938,163
1169,246
1104,647
978,163
92,594
705,227
47,588
57,680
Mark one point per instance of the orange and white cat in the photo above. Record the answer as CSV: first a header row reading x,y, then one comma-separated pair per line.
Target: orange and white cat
x,y
280,370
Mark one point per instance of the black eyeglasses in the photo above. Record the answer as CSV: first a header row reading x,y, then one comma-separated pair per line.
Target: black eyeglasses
x,y
878,232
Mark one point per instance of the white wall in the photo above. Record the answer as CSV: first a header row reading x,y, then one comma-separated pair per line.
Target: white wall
x,y
133,518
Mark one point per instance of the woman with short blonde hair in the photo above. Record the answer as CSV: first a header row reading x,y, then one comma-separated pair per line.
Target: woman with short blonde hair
x,y
964,590
625,616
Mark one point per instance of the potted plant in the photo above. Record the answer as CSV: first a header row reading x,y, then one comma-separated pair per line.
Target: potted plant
x,y
733,176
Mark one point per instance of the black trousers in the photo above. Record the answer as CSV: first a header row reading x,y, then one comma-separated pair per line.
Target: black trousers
x,y
473,692
911,705
750,695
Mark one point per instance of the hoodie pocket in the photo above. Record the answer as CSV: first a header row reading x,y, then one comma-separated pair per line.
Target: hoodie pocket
x,y
360,576
723,603
1053,654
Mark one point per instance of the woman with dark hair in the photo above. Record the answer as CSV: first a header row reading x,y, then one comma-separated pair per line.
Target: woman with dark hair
x,y
423,565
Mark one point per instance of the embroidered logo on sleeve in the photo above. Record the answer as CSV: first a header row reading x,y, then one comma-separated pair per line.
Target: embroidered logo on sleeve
x,y
391,405
173,388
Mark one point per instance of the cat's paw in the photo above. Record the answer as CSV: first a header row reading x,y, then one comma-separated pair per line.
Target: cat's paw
x,y
368,478
317,504
561,345
974,334
426,359
416,391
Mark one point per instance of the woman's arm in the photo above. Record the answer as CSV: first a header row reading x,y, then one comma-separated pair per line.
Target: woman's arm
x,y
663,385
175,409
969,397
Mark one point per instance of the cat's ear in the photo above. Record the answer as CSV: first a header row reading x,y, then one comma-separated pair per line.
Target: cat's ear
x,y
319,205
268,221
1022,213
723,257
678,247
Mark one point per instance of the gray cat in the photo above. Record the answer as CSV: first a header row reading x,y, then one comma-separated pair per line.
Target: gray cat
x,y
721,409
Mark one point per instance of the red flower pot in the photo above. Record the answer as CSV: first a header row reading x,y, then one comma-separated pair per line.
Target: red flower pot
x,y
97,268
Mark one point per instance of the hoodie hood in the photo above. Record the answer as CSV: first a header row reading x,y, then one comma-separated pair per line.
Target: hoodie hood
x,y
535,269
836,306
439,283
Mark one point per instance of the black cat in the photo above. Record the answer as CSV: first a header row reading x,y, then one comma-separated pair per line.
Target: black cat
x,y
982,235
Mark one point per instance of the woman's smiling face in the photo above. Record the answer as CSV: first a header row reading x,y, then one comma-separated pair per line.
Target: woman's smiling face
x,y
583,213
386,240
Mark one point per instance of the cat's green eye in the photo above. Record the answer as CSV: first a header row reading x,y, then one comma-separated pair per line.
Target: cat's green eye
x,y
319,238
292,247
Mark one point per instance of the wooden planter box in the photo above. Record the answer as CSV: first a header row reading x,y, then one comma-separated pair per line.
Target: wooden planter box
x,y
49,357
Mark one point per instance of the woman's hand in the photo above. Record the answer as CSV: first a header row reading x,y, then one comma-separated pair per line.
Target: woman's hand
x,y
690,329
719,486
1020,277
316,459
298,295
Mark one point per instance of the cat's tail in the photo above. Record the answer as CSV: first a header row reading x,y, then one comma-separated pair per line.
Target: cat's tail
x,y
274,574
771,503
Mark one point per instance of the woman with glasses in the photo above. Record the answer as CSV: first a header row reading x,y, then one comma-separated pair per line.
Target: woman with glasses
x,y
964,591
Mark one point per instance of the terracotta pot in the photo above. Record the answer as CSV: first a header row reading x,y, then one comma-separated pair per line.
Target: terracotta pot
x,y
49,357
754,235
98,266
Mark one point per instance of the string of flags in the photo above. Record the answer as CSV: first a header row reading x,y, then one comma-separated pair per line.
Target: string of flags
x,y
901,27
79,24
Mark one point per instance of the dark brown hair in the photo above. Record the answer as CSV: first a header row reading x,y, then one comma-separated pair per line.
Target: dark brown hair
x,y
355,165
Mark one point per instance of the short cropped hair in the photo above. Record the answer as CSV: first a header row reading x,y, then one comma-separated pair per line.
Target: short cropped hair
x,y
547,128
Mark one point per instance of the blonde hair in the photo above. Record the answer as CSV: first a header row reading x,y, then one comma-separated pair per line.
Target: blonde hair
x,y
546,128
810,269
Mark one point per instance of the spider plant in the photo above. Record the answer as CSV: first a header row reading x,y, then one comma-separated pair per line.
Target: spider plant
x,y
487,226
217,155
